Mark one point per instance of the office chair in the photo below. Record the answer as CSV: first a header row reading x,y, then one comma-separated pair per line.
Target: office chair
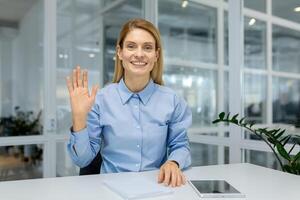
x,y
93,167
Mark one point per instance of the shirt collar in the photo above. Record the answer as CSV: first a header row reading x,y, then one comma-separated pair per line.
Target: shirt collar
x,y
144,95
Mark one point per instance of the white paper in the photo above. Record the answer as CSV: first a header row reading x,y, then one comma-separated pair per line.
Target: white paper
x,y
136,187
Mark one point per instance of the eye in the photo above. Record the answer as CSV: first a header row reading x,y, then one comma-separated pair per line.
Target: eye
x,y
148,47
130,46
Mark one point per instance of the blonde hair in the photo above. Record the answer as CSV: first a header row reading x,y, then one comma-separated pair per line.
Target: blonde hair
x,y
157,71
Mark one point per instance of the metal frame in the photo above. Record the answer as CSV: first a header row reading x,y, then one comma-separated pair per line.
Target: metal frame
x,y
49,138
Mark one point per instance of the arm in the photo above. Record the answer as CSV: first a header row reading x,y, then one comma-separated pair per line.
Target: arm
x,y
84,145
178,143
179,151
84,141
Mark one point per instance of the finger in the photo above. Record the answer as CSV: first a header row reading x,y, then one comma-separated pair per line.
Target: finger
x,y
183,178
79,79
74,79
174,178
161,175
179,179
167,177
94,91
85,79
69,84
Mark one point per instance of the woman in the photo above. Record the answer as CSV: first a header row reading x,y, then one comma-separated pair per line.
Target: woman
x,y
137,123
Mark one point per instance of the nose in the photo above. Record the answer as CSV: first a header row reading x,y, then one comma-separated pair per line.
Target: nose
x,y
139,53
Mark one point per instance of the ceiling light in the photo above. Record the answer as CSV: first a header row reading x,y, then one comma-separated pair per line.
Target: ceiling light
x,y
184,3
252,22
92,55
297,9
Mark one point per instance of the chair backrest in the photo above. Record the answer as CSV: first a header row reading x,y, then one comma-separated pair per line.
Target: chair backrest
x,y
93,167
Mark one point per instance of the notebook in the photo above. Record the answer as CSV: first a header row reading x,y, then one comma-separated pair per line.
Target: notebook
x,y
136,187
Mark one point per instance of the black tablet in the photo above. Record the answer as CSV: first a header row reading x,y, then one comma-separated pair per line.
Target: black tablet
x,y
215,189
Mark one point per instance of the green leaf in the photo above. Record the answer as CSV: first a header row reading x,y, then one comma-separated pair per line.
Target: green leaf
x,y
287,168
296,139
235,121
296,157
286,140
264,130
227,117
221,115
216,121
283,152
279,134
240,122
235,116
290,151
272,141
274,131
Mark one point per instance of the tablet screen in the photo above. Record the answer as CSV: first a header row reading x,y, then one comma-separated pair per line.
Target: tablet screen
x,y
214,186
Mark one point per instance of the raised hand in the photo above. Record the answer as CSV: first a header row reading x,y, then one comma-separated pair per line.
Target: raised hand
x,y
80,98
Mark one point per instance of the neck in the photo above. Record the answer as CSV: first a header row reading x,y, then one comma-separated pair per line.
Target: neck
x,y
136,84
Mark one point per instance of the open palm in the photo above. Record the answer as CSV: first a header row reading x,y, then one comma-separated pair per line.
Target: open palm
x,y
81,100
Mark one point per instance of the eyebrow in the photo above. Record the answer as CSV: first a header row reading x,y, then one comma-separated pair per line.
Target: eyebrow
x,y
143,43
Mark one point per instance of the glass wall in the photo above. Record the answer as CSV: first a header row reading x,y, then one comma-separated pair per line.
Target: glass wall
x,y
21,162
205,154
64,164
265,159
255,43
286,101
86,35
189,41
286,49
189,36
288,9
21,60
258,5
22,88
271,82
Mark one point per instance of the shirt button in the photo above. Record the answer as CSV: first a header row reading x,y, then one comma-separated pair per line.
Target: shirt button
x,y
136,106
136,165
138,127
138,146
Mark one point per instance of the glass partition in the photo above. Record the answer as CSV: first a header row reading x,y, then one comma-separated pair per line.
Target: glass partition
x,y
21,162
21,71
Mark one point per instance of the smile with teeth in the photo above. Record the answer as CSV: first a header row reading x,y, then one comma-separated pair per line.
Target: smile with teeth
x,y
138,63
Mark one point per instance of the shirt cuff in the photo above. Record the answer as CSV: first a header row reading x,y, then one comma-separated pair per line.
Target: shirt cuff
x,y
177,159
79,140
182,157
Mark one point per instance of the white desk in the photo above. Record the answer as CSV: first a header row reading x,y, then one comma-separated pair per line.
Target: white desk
x,y
256,182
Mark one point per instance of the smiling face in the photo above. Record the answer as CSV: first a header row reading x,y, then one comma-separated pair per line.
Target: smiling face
x,y
138,53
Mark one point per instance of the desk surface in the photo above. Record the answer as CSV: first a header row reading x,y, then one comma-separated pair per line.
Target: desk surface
x,y
258,183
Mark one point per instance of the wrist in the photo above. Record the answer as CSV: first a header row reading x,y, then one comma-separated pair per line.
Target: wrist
x,y
175,162
78,124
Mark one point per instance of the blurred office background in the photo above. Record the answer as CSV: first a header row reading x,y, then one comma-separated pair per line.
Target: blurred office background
x,y
42,40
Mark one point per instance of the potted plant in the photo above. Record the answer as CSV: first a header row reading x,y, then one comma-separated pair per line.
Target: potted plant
x,y
20,124
276,139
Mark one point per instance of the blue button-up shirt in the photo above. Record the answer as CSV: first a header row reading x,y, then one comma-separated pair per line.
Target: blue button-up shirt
x,y
135,131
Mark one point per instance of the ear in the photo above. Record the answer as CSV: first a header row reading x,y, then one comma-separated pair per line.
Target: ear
x,y
119,52
157,53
